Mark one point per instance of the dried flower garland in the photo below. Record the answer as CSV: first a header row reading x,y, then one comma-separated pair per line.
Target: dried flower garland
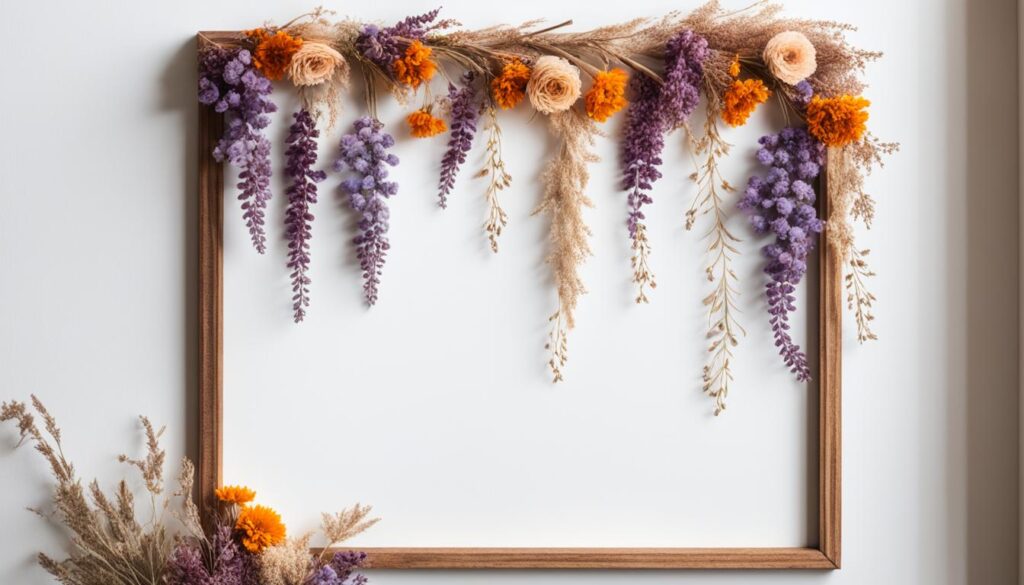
x,y
112,545
654,70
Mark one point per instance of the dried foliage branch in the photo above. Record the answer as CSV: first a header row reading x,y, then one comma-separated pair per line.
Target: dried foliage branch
x,y
643,277
565,181
747,31
499,179
724,329
859,299
847,168
109,544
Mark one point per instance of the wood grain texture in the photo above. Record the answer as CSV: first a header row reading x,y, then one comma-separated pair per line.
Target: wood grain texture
x,y
826,555
211,298
596,558
830,383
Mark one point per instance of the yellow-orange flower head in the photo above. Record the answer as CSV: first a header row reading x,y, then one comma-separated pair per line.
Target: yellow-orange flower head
x,y
235,494
415,67
260,527
734,66
607,95
742,98
509,88
273,52
837,121
423,124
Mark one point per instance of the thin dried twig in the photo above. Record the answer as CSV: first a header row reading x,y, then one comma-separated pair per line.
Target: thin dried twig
x,y
723,327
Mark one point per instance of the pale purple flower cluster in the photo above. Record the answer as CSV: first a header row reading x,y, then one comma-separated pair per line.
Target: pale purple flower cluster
x,y
229,563
298,220
654,111
364,154
782,203
341,570
642,142
463,127
804,93
229,82
385,45
685,53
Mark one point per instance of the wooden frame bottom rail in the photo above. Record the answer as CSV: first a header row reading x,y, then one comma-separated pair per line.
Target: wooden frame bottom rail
x,y
826,555
598,558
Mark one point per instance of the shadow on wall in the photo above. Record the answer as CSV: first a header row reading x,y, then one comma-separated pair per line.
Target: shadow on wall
x,y
179,94
991,219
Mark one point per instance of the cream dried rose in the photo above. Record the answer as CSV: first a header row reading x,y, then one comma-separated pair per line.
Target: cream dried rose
x,y
554,85
314,63
790,57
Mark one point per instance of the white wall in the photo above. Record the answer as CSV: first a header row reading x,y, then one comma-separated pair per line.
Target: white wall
x,y
97,294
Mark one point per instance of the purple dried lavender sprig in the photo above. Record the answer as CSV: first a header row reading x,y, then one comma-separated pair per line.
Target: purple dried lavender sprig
x,y
346,564
642,143
364,154
782,203
654,111
301,157
231,85
384,46
341,570
463,127
230,564
685,53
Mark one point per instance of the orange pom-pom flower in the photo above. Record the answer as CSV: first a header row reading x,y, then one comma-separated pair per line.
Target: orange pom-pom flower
x,y
260,527
607,95
415,67
235,494
509,88
273,52
734,66
837,121
742,98
423,124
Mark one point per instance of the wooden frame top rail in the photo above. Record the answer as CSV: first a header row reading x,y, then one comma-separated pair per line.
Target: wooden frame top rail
x,y
825,554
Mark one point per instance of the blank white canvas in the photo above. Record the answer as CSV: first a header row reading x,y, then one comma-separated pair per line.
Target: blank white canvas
x,y
436,405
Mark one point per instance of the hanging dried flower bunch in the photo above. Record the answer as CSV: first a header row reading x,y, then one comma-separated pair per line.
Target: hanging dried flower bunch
x,y
656,71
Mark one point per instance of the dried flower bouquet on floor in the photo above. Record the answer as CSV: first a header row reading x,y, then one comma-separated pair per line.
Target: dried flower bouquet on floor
x,y
656,71
112,545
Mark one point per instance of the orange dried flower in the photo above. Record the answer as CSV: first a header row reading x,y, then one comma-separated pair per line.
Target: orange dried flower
x,y
509,88
837,121
734,67
273,52
415,67
607,95
235,494
742,98
423,124
260,527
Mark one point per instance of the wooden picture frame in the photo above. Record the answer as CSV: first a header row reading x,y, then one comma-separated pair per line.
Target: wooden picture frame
x,y
823,555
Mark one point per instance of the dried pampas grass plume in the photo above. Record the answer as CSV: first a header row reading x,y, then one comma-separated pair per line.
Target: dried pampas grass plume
x,y
288,563
565,180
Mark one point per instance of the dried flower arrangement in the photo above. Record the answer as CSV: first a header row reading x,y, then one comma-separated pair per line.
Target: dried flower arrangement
x,y
655,70
112,545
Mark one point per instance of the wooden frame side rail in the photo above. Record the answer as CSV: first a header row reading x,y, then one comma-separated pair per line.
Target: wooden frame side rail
x,y
825,555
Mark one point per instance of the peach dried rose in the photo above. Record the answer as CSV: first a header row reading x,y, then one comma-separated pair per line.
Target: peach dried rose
x,y
315,63
554,85
790,57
